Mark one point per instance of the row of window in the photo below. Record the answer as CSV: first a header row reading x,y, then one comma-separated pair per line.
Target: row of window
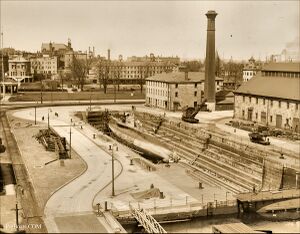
x,y
270,102
281,74
14,73
157,84
157,92
18,66
249,73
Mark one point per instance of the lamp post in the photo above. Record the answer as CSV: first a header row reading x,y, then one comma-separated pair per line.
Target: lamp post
x,y
70,153
48,120
34,115
111,147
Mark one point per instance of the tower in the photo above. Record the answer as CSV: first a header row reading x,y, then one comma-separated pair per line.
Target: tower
x,y
209,85
108,54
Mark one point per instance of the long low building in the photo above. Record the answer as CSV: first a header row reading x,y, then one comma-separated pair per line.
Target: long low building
x,y
272,97
176,90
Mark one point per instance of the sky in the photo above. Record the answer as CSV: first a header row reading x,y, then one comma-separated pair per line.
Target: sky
x,y
168,28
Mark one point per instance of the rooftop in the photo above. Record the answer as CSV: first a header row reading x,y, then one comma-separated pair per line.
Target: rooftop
x,y
56,46
271,86
18,59
284,67
179,77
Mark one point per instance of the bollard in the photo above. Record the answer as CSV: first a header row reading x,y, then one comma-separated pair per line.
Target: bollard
x,y
105,206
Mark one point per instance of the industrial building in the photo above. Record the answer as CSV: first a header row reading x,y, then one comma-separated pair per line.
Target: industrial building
x,y
174,91
272,97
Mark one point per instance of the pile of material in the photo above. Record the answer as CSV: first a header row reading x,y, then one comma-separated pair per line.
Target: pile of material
x,y
146,194
52,142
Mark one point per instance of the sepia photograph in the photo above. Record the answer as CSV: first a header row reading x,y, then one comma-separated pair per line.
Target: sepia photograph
x,y
149,116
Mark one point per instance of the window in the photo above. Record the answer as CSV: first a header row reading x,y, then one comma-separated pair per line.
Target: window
x,y
297,106
196,85
250,99
256,100
279,104
271,102
256,115
243,113
176,86
176,94
264,101
243,98
271,118
287,105
195,93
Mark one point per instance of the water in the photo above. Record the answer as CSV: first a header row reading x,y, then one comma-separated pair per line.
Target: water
x,y
204,225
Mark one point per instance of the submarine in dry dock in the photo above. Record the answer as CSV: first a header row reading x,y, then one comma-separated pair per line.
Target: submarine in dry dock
x,y
142,142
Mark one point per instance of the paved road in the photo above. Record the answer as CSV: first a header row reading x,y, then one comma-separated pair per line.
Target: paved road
x,y
75,199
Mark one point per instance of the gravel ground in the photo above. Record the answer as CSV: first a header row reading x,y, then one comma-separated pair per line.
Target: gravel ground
x,y
45,178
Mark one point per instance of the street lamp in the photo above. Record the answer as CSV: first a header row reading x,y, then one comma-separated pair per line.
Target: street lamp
x,y
70,153
49,118
111,147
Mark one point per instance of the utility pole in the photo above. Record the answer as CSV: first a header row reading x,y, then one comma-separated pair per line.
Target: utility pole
x,y
113,173
34,115
2,66
70,141
17,216
48,120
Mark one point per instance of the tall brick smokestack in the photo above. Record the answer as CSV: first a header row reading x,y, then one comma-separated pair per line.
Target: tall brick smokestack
x,y
209,85
108,54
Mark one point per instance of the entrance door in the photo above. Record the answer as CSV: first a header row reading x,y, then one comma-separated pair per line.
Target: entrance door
x,y
278,121
176,106
250,112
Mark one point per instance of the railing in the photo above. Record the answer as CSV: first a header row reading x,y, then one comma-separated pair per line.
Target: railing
x,y
171,206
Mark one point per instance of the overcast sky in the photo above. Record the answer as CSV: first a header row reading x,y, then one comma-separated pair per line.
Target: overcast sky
x,y
243,28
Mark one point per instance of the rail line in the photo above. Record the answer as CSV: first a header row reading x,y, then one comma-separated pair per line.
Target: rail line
x,y
24,189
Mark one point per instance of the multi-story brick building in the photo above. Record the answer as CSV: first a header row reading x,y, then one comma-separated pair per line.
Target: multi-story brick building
x,y
44,65
174,91
57,49
19,69
132,72
272,97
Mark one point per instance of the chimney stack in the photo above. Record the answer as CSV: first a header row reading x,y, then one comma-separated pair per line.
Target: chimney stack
x,y
209,85
108,54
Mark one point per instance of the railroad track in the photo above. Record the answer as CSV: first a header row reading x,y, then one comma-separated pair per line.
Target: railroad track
x,y
32,215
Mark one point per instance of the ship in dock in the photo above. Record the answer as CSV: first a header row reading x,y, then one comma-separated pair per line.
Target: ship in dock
x,y
130,132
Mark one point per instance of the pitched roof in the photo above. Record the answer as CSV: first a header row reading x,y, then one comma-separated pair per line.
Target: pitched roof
x,y
56,46
284,67
179,77
271,86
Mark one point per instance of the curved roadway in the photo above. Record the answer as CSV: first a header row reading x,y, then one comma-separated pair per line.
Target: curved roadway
x,y
75,198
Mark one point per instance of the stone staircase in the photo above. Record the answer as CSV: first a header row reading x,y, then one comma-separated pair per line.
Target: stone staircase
x,y
208,162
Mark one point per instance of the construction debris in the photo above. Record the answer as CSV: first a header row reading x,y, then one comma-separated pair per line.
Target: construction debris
x,y
53,142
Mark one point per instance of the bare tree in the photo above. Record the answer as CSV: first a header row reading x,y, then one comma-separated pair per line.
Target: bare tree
x,y
103,74
79,71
